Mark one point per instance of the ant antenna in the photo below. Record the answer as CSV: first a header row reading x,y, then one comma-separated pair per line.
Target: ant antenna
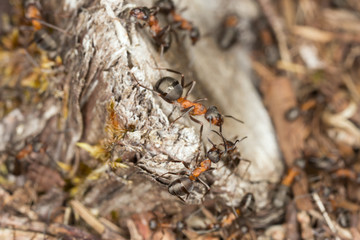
x,y
50,25
228,143
238,120
141,85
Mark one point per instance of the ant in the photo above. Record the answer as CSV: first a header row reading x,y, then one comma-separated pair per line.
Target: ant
x,y
213,116
41,37
287,181
167,7
230,154
171,91
229,31
184,185
147,16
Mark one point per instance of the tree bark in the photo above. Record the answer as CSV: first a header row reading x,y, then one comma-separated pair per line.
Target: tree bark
x,y
99,55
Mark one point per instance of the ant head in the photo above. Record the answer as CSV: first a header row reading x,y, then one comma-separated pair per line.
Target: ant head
x,y
140,14
194,35
165,6
213,116
169,88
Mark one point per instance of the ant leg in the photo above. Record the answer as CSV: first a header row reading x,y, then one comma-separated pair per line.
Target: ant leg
x,y
176,36
238,120
200,100
185,111
172,111
50,26
224,140
248,165
205,184
161,51
176,72
201,128
138,83
154,10
236,168
192,83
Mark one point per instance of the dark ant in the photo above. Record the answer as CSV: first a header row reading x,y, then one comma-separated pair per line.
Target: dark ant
x,y
147,16
168,7
171,90
230,154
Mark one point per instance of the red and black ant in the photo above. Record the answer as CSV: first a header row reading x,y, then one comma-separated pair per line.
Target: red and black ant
x,y
280,196
147,16
229,31
171,90
168,7
183,186
41,36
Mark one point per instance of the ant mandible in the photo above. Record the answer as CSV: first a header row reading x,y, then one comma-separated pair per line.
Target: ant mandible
x,y
168,7
147,16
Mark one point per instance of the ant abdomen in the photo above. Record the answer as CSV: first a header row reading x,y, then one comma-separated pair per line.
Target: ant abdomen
x,y
181,186
169,88
44,40
165,6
